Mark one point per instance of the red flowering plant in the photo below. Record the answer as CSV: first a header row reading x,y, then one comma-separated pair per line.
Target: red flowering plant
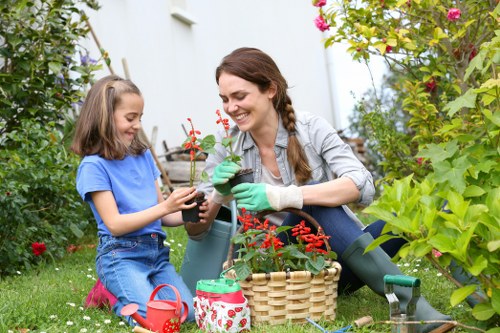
x,y
261,251
197,146
227,140
38,248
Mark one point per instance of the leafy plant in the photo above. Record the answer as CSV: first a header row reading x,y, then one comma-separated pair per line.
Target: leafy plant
x,y
261,251
447,54
44,72
38,200
196,147
227,140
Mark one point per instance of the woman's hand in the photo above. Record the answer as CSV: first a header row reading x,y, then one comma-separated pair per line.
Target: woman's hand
x,y
222,173
257,197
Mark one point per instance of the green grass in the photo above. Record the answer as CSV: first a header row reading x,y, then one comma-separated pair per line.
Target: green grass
x,y
50,299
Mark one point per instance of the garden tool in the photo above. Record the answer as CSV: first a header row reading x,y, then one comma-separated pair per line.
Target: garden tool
x,y
162,316
357,323
395,312
372,266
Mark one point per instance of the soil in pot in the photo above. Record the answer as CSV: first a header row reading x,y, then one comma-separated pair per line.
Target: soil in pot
x,y
193,214
243,176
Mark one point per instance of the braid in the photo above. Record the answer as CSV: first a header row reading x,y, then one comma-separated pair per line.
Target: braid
x,y
296,156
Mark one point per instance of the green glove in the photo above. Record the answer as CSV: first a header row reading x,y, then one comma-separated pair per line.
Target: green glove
x,y
257,197
222,173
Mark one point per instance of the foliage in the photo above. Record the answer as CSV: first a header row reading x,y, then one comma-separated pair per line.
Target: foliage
x,y
43,75
262,251
448,53
38,201
196,146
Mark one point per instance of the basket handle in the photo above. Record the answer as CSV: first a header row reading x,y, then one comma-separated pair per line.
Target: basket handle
x,y
263,213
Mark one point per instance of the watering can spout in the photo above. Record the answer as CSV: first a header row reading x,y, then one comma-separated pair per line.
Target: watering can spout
x,y
131,310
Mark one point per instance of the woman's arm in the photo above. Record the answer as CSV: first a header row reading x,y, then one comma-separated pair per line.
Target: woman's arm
x,y
333,193
121,224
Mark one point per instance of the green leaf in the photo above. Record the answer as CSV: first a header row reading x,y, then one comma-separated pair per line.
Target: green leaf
x,y
460,294
483,311
76,231
495,300
467,100
493,245
473,191
55,67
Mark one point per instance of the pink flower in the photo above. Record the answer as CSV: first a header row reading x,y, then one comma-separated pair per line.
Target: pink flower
x,y
319,3
436,253
321,24
454,14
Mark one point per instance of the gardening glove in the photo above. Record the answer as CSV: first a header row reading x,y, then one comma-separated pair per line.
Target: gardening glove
x,y
220,179
257,197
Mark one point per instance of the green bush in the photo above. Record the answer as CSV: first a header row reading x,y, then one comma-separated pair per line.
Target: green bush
x,y
441,192
38,199
44,72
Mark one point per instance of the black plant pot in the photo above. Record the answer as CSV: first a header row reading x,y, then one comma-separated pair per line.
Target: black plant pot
x,y
193,214
243,176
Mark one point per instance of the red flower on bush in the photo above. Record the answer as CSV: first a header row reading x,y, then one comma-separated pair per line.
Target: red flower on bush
x,y
454,14
430,85
38,248
321,24
319,3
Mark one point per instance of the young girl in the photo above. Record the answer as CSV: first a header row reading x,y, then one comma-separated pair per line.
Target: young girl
x,y
118,178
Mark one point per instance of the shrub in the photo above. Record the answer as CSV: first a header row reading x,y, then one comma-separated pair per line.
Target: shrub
x,y
44,73
38,200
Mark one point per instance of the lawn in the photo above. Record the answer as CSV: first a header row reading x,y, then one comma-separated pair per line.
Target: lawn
x,y
50,298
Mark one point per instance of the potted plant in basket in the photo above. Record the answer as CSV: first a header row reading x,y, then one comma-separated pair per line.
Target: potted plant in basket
x,y
244,175
196,147
284,279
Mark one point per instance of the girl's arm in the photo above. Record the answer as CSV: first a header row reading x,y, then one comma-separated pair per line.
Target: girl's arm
x,y
121,224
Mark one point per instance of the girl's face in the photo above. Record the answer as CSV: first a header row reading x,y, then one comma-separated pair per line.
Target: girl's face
x,y
242,100
127,116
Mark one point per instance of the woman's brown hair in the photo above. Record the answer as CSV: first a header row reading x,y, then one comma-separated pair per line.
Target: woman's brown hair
x,y
95,128
257,67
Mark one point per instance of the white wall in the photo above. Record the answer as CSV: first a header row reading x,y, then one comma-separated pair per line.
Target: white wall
x,y
173,63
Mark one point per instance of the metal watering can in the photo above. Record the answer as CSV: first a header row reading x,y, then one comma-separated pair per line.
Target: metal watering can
x,y
162,316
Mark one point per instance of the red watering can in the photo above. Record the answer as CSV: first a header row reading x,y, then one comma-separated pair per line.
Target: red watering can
x,y
162,316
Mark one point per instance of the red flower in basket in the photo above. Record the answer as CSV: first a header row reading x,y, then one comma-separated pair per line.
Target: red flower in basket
x,y
261,251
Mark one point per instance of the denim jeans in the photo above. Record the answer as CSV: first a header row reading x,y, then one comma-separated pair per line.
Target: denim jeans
x,y
131,267
343,231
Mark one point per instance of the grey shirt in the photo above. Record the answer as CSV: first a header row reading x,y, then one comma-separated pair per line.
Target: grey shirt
x,y
329,157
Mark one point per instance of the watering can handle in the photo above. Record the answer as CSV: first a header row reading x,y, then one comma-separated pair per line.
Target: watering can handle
x,y
178,306
402,280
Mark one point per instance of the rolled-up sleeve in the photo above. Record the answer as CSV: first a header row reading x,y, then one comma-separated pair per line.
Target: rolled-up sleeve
x,y
341,159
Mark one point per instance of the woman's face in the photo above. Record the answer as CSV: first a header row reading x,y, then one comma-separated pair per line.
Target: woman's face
x,y
127,115
242,100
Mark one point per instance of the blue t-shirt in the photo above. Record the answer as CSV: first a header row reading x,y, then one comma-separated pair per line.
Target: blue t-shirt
x,y
131,180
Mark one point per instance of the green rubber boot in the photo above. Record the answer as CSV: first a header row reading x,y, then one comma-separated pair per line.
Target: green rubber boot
x,y
371,269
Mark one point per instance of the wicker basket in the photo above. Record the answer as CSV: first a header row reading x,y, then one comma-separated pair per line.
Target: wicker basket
x,y
278,297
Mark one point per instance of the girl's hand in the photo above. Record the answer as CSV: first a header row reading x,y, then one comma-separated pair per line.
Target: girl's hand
x,y
176,201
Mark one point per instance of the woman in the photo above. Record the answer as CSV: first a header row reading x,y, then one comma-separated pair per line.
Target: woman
x,y
299,161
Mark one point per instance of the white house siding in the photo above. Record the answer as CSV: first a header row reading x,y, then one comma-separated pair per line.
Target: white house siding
x,y
173,63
